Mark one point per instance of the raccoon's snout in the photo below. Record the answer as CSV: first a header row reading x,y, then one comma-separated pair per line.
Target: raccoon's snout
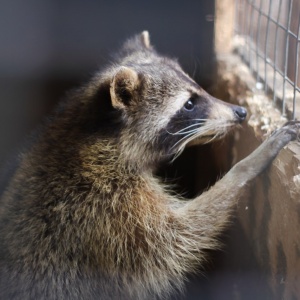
x,y
240,113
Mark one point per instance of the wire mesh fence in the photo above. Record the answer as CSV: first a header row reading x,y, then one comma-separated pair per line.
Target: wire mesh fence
x,y
268,34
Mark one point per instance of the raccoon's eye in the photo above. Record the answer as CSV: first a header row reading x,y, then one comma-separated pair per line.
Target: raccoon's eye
x,y
189,105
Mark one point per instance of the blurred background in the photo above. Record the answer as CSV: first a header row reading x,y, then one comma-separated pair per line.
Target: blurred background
x,y
48,47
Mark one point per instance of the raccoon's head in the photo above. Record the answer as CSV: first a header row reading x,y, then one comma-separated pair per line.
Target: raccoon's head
x,y
162,109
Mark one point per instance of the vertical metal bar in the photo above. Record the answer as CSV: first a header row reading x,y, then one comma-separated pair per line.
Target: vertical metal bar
x,y
257,39
251,48
248,30
276,51
266,46
296,71
286,55
239,29
236,17
244,31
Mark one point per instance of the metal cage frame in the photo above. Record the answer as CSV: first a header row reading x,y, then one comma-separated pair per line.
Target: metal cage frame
x,y
268,37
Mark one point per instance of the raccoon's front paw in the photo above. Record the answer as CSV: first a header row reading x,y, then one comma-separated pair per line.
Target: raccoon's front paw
x,y
288,132
294,126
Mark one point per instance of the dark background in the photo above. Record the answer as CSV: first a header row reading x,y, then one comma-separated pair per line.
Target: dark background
x,y
48,47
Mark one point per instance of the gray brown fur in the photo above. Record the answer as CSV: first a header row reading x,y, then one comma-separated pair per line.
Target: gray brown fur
x,y
83,217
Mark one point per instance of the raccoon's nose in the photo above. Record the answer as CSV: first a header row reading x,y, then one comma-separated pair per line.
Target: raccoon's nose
x,y
240,113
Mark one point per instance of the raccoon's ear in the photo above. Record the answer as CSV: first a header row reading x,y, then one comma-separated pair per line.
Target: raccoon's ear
x,y
145,39
123,86
139,42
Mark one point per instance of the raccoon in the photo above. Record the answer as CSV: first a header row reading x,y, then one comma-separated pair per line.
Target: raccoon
x,y
84,216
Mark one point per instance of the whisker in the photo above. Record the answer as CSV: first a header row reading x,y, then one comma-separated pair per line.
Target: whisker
x,y
184,121
182,131
186,132
186,136
193,125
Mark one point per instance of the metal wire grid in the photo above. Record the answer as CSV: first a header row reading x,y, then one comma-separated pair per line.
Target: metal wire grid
x,y
269,35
